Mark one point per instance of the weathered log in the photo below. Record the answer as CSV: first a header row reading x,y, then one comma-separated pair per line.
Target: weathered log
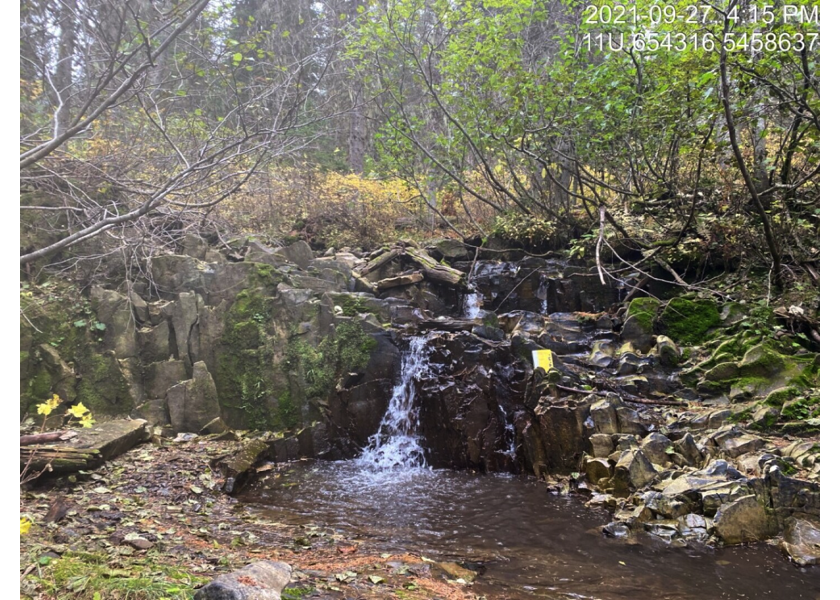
x,y
40,438
380,261
435,271
399,280
61,460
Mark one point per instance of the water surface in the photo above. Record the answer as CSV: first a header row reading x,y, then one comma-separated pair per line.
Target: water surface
x,y
531,544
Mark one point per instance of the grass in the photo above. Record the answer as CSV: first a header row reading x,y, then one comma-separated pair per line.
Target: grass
x,y
99,576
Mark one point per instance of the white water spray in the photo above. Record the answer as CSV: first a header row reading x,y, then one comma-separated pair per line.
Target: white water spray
x,y
510,436
472,305
396,444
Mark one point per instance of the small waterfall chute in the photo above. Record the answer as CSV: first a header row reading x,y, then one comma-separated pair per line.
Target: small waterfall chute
x,y
396,443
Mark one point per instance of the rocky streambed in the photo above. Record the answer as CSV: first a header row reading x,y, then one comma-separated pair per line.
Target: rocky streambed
x,y
692,421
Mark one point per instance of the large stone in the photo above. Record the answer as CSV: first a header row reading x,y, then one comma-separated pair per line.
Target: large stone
x,y
602,445
238,466
604,417
193,403
184,319
562,432
597,469
667,351
633,471
688,449
173,274
448,249
656,446
637,334
733,442
264,580
62,376
802,542
160,376
299,253
154,342
744,520
114,311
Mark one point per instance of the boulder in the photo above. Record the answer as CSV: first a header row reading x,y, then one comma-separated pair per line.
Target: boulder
x,y
597,469
633,471
192,404
160,376
802,542
637,334
238,466
604,417
687,448
264,580
656,447
744,520
667,351
601,445
299,253
114,311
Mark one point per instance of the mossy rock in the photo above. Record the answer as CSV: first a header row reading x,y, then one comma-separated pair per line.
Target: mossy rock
x,y
801,408
762,361
645,310
778,397
723,372
689,321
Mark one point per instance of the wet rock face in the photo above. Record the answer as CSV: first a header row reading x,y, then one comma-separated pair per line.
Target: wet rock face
x,y
466,408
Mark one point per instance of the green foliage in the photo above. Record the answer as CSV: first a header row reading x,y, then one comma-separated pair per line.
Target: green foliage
x,y
77,575
528,230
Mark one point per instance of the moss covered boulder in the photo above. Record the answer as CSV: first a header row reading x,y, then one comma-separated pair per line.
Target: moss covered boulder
x,y
689,321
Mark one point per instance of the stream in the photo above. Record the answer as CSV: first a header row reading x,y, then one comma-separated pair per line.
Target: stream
x,y
524,542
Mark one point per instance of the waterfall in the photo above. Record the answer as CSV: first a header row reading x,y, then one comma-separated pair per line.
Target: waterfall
x,y
396,444
509,436
472,305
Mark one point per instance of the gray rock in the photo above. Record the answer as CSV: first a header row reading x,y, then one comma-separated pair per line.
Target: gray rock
x,y
744,520
687,448
635,333
633,471
193,403
667,351
733,442
604,416
238,466
802,542
597,469
160,376
629,421
299,253
114,310
184,319
264,580
154,342
655,447
602,445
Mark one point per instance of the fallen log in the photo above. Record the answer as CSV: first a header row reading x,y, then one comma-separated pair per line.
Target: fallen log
x,y
40,438
399,280
435,271
380,261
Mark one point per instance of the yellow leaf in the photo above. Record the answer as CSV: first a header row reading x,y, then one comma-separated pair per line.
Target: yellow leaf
x,y
45,408
78,411
87,421
25,524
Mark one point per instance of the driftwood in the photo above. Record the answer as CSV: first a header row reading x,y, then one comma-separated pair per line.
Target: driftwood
x,y
40,438
435,271
59,459
380,261
399,280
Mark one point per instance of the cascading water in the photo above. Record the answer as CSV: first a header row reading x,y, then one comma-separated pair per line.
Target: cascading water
x,y
396,444
472,305
509,436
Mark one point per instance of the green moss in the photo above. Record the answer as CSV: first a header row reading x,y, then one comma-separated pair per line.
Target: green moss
x,y
351,306
346,351
778,397
801,408
644,309
244,364
102,387
689,321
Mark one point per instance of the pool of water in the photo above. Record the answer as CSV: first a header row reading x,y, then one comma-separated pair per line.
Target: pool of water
x,y
532,544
